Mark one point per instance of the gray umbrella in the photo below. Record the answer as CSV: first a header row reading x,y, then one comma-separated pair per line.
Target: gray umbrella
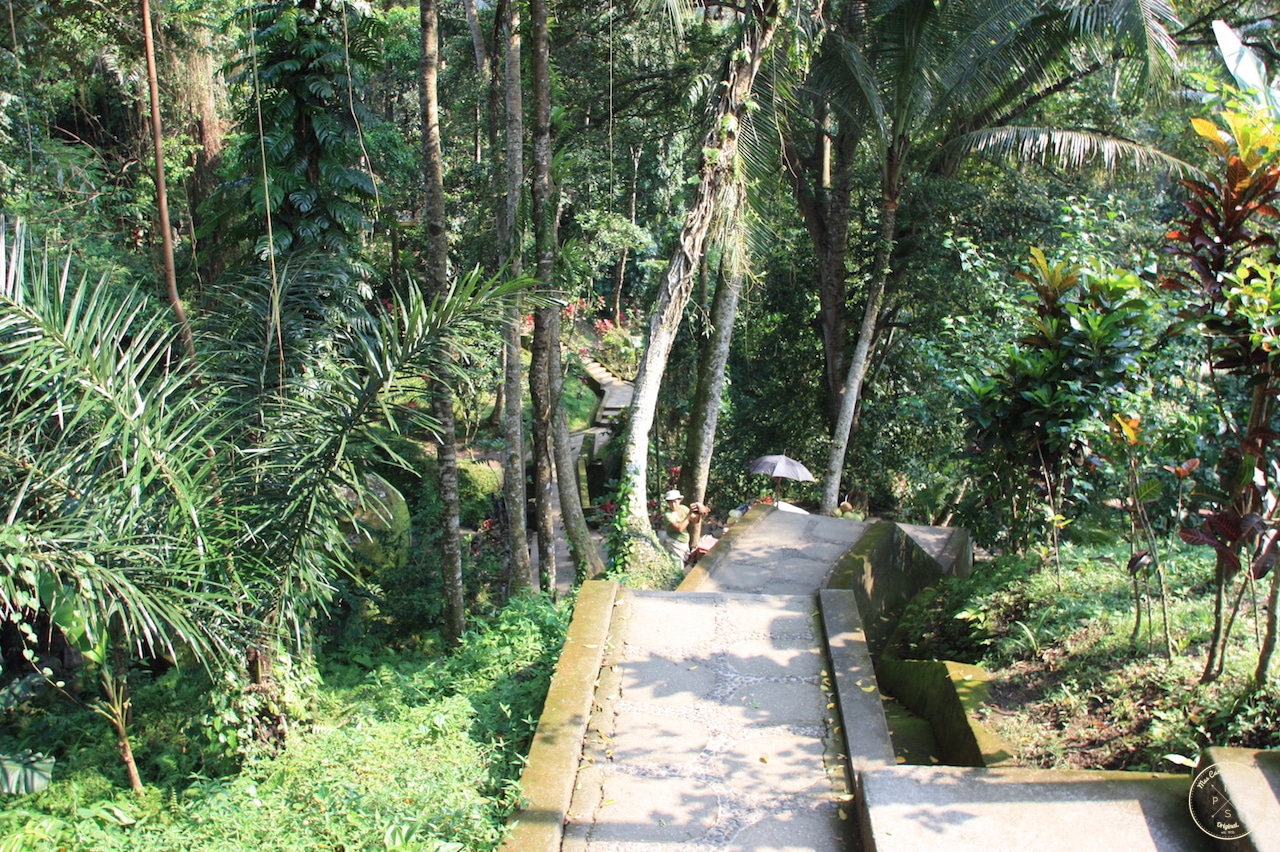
x,y
781,466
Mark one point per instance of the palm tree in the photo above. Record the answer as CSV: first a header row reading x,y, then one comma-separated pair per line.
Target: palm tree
x,y
920,84
105,475
149,509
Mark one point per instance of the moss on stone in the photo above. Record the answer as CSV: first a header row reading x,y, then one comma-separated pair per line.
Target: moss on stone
x,y
379,528
479,484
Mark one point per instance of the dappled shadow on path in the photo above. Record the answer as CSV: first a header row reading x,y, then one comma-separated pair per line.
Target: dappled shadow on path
x,y
715,729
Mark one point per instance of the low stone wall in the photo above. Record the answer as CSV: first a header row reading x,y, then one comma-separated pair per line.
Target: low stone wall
x,y
547,783
887,567
724,550
946,695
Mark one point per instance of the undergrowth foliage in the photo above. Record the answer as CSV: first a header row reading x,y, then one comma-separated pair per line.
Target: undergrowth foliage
x,y
406,752
1071,689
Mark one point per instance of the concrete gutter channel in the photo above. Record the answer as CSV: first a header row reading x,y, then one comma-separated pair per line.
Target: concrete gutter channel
x,y
902,807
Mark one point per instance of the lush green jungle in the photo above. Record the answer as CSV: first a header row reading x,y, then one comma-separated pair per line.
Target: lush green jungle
x,y
296,299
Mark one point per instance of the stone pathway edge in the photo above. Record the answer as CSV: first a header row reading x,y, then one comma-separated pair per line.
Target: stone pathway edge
x,y
549,776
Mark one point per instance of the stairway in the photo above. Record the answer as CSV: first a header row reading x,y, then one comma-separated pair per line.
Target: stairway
x,y
742,712
615,393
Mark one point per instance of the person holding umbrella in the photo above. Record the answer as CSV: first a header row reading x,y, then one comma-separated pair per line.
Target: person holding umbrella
x,y
675,533
781,467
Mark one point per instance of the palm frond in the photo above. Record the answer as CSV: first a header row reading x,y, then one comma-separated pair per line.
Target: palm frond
x,y
299,465
1139,28
1069,148
104,473
89,371
674,11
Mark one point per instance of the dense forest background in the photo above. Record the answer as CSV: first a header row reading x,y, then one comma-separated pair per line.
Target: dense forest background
x,y
295,299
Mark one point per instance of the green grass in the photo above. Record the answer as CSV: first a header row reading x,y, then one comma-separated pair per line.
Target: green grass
x,y
579,400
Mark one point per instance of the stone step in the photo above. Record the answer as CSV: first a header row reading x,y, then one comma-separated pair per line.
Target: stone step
x,y
1248,780
966,809
598,372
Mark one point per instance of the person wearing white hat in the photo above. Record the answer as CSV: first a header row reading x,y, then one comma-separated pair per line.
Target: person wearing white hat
x,y
675,535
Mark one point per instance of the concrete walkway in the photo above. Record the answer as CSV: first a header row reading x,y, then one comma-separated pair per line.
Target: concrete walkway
x,y
713,731
714,724
782,553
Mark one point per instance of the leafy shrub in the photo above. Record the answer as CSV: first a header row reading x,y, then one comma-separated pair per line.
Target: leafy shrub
x,y
619,349
1065,655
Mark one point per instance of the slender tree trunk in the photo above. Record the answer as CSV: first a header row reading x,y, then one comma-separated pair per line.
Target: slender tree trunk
x,y
582,550
513,469
115,706
1212,663
861,358
494,420
1268,647
718,164
706,400
487,116
437,283
202,86
544,241
483,66
543,465
1246,499
514,488
824,205
162,197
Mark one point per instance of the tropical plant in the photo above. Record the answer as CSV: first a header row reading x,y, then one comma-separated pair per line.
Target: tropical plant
x,y
1084,344
1225,247
308,431
153,510
297,180
107,470
898,75
1126,431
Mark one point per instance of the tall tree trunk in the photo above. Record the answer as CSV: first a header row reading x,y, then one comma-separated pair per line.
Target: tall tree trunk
x,y
706,400
201,86
486,137
717,169
824,205
437,283
867,334
162,197
544,242
543,465
513,469
582,550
